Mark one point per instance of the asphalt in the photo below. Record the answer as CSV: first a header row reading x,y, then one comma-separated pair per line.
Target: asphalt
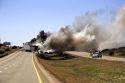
x,y
18,68
45,75
87,55
23,67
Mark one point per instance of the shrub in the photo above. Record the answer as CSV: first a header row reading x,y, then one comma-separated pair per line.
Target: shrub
x,y
14,47
2,55
2,51
111,53
7,49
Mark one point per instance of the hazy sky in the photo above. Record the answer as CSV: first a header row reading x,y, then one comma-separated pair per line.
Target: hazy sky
x,y
21,20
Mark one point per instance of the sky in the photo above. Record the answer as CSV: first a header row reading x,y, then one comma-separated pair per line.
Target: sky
x,y
22,20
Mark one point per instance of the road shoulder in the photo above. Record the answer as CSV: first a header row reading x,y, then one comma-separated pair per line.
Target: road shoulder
x,y
8,56
45,75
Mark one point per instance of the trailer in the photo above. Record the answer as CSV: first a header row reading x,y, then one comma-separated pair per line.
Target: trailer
x,y
29,47
26,47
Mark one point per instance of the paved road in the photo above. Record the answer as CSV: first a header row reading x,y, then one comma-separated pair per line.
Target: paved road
x,y
85,54
45,75
18,68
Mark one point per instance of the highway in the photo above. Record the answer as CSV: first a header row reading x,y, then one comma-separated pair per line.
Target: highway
x,y
18,68
23,67
87,55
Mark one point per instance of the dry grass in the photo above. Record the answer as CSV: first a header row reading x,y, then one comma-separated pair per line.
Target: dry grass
x,y
117,52
85,70
12,50
4,51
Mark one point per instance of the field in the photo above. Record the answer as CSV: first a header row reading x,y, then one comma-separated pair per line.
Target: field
x,y
69,69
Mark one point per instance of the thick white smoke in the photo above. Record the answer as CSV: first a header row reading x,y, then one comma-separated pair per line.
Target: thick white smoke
x,y
86,34
80,36
116,31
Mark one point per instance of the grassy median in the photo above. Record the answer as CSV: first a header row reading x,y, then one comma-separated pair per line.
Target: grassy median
x,y
84,70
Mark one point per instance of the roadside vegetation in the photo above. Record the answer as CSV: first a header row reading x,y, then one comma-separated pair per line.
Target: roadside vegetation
x,y
70,69
116,52
6,50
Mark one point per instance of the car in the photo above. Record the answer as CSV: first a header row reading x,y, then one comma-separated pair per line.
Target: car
x,y
95,54
51,51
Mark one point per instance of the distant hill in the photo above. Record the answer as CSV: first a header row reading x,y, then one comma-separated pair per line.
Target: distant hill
x,y
114,52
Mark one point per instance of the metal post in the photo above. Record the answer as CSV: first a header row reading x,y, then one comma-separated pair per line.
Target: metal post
x,y
0,41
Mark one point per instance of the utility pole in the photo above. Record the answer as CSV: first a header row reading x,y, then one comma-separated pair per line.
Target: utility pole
x,y
0,41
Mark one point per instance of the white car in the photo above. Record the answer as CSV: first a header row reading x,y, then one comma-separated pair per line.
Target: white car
x,y
49,51
96,54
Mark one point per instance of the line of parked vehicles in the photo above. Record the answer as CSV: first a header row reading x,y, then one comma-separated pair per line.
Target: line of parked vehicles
x,y
43,52
30,48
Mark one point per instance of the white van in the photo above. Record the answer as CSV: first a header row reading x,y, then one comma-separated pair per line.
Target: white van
x,y
95,54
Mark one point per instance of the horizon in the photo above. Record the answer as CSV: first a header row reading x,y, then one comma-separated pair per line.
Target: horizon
x,y
22,20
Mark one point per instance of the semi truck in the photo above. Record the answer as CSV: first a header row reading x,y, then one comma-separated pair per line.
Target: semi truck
x,y
29,47
26,46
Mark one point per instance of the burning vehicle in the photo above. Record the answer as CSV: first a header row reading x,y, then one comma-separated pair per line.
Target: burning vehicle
x,y
46,53
50,51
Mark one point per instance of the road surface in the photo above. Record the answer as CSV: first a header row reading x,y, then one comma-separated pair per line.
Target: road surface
x,y
18,68
85,54
46,76
21,67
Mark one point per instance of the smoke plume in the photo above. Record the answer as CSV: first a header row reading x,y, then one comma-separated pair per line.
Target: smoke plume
x,y
116,31
86,33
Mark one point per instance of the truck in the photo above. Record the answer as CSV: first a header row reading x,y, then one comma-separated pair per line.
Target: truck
x,y
29,47
26,47
95,54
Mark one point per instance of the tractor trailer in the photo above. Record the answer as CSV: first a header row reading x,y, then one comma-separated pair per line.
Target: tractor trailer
x,y
26,46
